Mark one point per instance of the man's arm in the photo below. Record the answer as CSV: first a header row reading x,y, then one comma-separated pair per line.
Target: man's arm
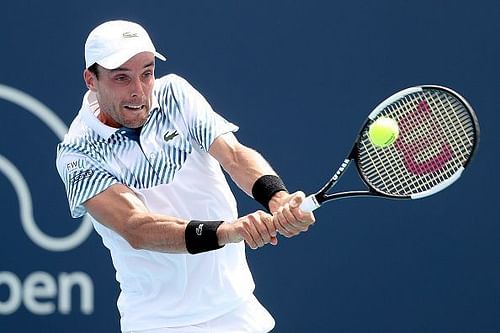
x,y
246,166
119,208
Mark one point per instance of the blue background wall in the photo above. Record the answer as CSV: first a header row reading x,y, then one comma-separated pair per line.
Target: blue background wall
x,y
294,75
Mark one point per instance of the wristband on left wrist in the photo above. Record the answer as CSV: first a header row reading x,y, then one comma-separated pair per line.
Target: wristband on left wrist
x,y
201,236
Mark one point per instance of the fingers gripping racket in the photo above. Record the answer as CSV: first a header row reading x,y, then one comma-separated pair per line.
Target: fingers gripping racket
x,y
438,135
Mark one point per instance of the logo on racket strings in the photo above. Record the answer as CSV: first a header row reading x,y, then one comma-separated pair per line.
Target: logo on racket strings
x,y
411,150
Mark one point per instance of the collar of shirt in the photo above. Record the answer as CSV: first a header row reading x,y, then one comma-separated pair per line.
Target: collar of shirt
x,y
87,112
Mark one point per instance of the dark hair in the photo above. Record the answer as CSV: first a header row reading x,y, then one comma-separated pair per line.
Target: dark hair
x,y
94,69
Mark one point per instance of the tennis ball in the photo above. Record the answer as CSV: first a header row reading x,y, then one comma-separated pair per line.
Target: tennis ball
x,y
383,132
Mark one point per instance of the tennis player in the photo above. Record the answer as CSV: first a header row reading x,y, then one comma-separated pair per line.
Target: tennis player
x,y
143,157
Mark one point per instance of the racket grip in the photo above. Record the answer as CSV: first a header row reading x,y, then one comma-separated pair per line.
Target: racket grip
x,y
309,204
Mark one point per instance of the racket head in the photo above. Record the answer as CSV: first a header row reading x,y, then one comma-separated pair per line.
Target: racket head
x,y
438,136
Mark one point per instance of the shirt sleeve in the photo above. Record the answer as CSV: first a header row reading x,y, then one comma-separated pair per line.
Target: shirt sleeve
x,y
203,123
82,176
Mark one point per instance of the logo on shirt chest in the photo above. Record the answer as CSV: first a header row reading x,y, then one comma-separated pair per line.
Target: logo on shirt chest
x,y
170,135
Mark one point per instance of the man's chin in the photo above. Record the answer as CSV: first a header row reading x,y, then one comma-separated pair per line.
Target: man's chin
x,y
136,122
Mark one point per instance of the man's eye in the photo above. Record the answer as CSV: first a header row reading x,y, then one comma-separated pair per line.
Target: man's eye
x,y
121,78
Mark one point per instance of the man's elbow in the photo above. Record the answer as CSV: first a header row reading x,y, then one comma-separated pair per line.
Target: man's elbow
x,y
137,243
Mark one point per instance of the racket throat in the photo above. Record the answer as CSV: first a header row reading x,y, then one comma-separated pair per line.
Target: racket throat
x,y
331,183
314,201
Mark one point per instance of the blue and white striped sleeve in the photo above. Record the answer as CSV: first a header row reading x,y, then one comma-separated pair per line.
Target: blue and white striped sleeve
x,y
82,176
203,123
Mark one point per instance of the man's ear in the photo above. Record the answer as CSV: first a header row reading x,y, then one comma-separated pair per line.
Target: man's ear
x,y
90,79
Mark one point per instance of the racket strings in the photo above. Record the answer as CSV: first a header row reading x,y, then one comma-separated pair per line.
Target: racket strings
x,y
437,136
431,135
399,183
432,149
374,169
455,127
453,124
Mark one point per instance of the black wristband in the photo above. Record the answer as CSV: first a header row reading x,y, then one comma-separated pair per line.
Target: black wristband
x,y
265,187
201,236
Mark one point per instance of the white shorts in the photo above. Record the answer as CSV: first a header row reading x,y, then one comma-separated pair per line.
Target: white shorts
x,y
249,317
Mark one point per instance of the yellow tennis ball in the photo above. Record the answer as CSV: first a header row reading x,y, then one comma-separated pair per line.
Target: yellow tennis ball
x,y
383,132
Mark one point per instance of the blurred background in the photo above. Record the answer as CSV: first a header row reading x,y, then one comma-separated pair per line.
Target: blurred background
x,y
299,78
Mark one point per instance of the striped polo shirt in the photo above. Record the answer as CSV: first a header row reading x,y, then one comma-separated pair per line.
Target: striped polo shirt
x,y
168,166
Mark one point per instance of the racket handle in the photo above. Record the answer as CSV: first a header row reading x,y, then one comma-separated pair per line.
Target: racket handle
x,y
309,204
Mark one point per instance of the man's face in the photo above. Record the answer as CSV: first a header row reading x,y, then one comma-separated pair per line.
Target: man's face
x,y
125,93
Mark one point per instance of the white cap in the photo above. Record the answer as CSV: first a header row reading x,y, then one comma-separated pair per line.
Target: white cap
x,y
113,43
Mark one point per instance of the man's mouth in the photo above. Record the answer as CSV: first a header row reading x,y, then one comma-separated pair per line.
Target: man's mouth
x,y
134,107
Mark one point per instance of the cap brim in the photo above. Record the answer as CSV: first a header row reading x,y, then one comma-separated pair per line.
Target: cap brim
x,y
116,60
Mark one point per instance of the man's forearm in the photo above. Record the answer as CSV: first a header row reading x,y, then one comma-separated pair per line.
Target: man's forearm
x,y
242,163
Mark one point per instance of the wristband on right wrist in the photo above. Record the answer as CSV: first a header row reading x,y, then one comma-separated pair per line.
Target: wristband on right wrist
x,y
265,187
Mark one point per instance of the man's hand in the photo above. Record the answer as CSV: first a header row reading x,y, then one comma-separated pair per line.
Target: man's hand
x,y
288,218
256,229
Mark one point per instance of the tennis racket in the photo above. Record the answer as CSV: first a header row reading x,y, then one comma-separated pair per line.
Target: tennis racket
x,y
438,136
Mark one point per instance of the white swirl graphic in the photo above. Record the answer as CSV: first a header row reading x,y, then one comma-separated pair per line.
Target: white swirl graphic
x,y
50,119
